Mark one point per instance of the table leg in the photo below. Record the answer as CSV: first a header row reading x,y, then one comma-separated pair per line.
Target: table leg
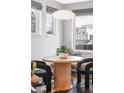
x,y
62,76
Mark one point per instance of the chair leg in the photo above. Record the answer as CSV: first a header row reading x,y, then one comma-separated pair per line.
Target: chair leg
x,y
44,80
48,83
92,79
86,81
78,78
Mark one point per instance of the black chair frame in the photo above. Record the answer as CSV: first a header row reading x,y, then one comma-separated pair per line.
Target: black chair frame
x,y
46,76
86,71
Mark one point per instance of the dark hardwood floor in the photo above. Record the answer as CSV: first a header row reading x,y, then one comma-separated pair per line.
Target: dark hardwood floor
x,y
75,89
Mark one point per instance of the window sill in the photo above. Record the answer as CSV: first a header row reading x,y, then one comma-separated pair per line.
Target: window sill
x,y
87,51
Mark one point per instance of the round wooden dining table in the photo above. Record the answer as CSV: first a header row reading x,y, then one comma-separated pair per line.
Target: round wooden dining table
x,y
62,71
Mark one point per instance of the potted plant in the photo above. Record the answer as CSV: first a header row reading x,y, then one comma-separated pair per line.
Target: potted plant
x,y
63,51
34,78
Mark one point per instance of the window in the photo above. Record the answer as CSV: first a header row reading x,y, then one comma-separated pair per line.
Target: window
x,y
83,33
50,21
49,24
36,18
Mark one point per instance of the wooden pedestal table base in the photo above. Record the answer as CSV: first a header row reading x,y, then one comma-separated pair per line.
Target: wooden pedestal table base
x,y
62,71
62,76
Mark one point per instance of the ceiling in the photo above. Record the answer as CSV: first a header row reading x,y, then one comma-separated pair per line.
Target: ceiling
x,y
70,1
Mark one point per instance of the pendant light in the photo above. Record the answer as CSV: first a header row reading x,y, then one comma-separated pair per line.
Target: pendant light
x,y
63,15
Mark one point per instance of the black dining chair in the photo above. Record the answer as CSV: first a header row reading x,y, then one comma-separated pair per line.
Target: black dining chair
x,y
87,70
44,71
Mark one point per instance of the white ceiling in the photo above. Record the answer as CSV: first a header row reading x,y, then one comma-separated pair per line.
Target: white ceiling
x,y
70,1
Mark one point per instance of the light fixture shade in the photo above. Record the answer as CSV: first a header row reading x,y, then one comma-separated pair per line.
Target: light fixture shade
x,y
63,15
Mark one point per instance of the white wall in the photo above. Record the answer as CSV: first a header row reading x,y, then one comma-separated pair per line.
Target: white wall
x,y
68,25
46,45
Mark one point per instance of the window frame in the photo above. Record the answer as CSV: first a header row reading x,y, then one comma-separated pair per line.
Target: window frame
x,y
50,10
36,7
73,36
53,25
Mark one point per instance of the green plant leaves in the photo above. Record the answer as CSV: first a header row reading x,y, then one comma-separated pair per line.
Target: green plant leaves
x,y
63,49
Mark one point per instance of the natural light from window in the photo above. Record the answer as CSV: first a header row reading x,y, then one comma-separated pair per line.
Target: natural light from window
x,y
83,33
83,20
49,26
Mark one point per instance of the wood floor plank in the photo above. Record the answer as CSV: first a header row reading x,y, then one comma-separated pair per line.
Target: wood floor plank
x,y
75,89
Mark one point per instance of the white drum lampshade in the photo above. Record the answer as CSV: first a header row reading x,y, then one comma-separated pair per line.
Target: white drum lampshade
x,y
63,15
